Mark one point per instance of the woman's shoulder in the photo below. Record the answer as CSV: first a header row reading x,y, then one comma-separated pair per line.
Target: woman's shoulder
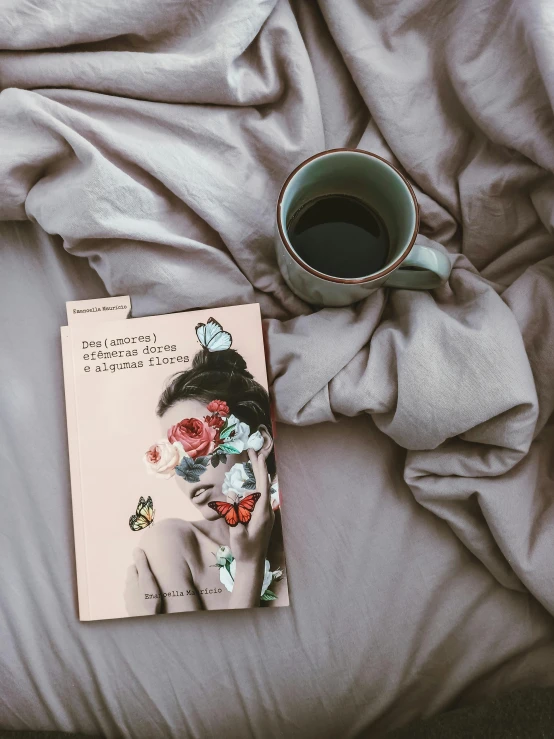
x,y
168,532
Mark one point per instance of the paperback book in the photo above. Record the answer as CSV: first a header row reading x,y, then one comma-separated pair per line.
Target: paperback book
x,y
176,500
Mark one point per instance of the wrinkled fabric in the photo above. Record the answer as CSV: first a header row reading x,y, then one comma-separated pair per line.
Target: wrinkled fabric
x,y
152,140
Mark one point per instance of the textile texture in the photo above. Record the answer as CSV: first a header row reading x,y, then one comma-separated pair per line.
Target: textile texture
x,y
142,149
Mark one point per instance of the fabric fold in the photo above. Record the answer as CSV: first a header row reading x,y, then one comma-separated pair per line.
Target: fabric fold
x,y
154,142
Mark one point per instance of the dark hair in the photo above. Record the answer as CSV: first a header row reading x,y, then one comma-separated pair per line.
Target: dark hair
x,y
222,376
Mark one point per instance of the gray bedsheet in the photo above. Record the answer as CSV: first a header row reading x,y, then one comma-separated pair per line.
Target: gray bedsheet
x,y
146,145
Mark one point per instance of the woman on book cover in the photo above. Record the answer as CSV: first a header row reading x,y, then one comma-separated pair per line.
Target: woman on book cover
x,y
218,447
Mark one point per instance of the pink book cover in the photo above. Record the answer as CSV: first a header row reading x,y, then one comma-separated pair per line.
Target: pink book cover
x,y
176,501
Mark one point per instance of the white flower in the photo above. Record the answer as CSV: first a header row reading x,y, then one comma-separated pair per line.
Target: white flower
x,y
274,495
239,436
234,479
162,458
255,441
227,576
223,555
180,449
268,577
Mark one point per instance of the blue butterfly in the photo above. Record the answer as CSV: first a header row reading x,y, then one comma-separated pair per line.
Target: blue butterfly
x,y
212,336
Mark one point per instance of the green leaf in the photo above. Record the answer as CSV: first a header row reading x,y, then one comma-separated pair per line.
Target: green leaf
x,y
250,471
215,460
268,595
184,466
190,469
228,449
250,484
227,431
188,475
204,461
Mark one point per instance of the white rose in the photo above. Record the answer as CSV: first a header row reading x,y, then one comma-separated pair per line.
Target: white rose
x,y
239,436
255,441
223,555
227,576
234,479
162,458
268,577
181,450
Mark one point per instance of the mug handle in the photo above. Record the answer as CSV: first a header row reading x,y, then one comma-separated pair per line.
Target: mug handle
x,y
433,270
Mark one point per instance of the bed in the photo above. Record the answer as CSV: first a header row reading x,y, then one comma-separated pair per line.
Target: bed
x,y
142,148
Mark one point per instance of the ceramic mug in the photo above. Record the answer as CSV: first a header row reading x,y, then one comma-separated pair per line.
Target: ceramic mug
x,y
373,180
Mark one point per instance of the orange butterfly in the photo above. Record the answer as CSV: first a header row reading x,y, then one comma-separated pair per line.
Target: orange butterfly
x,y
235,513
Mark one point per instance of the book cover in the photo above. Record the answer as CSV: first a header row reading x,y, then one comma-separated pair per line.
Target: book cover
x,y
176,501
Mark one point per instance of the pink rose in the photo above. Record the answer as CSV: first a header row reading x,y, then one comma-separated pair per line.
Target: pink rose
x,y
162,458
195,435
215,421
219,406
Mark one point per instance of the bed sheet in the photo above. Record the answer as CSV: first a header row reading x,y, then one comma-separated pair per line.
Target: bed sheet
x,y
142,148
392,617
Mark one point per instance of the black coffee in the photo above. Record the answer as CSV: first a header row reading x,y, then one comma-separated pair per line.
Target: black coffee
x,y
340,236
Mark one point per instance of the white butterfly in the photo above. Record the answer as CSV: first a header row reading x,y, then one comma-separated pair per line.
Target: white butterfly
x,y
212,336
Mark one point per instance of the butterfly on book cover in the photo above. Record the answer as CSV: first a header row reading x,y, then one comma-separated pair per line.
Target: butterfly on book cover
x,y
235,513
144,516
212,336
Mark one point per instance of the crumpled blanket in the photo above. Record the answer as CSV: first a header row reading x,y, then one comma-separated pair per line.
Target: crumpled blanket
x,y
153,138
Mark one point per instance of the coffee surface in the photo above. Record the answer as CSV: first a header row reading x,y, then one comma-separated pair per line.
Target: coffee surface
x,y
340,236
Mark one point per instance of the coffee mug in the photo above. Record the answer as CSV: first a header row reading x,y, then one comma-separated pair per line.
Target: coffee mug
x,y
373,181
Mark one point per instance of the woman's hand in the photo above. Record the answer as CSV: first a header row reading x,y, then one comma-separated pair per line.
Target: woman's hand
x,y
139,583
249,543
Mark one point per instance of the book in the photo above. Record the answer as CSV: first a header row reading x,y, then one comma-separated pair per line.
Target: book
x,y
176,501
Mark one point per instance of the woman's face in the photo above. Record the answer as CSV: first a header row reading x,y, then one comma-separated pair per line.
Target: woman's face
x,y
211,481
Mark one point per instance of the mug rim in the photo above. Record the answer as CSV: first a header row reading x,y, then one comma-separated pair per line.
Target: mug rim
x,y
346,280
